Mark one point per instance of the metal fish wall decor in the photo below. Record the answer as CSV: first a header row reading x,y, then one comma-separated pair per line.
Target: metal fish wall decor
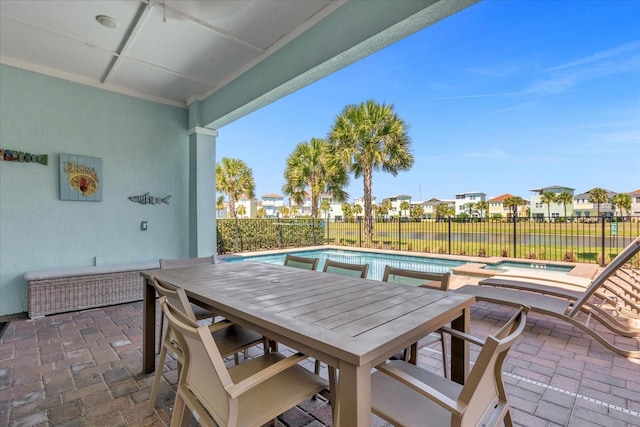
x,y
146,199
19,156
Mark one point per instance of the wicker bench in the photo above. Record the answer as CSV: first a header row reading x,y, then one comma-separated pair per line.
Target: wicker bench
x,y
60,291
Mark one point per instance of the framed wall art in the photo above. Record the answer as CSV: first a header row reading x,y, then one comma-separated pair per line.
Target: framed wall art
x,y
80,178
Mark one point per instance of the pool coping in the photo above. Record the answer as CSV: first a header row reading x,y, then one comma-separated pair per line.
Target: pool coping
x,y
475,265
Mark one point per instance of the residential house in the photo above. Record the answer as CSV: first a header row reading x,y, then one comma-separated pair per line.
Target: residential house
x,y
542,210
498,210
463,199
272,203
250,207
583,208
396,202
635,202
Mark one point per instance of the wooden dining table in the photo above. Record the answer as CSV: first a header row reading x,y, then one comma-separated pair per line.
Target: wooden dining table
x,y
349,323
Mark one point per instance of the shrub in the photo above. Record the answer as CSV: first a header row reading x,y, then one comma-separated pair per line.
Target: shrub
x,y
569,257
482,252
531,255
504,253
410,247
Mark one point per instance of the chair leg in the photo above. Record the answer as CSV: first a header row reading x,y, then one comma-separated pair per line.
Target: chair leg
x,y
444,355
317,368
156,381
160,334
179,416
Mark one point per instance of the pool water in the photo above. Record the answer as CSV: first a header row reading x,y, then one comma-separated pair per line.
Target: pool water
x,y
378,261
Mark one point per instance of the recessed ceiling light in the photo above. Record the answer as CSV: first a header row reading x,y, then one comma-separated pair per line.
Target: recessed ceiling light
x,y
107,21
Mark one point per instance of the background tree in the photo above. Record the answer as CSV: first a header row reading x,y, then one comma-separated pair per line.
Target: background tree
x,y
356,209
235,179
241,210
385,207
220,204
514,203
598,196
483,207
346,211
309,167
417,211
404,207
547,198
284,211
442,210
261,213
564,199
622,201
469,209
293,211
325,206
370,137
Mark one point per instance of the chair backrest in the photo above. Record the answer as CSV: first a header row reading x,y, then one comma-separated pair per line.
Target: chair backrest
x,y
186,262
301,262
618,262
176,297
204,379
484,385
346,269
424,279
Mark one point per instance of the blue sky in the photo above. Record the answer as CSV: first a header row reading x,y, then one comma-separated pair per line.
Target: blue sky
x,y
503,97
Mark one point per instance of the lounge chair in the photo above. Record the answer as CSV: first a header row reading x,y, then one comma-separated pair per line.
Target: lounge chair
x,y
408,395
611,299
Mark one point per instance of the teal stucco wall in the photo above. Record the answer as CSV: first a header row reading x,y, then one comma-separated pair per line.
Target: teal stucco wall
x,y
143,147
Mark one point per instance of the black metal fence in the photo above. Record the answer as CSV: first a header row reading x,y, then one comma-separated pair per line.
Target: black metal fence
x,y
593,240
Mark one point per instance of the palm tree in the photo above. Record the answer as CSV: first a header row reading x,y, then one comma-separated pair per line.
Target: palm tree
x,y
385,207
514,202
241,210
443,210
483,207
325,206
598,195
417,211
346,211
293,211
261,213
565,199
623,202
309,167
404,207
357,209
370,137
284,211
220,204
547,198
235,179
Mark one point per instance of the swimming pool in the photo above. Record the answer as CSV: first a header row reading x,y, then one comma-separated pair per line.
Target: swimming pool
x,y
377,261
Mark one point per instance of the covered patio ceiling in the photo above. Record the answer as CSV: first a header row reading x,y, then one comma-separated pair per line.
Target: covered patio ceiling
x,y
220,59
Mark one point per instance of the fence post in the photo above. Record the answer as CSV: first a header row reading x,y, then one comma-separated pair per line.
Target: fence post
x,y
515,223
237,235
359,232
313,230
279,231
449,236
603,262
399,234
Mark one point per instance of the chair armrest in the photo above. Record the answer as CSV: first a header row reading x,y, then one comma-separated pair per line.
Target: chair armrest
x,y
422,388
216,326
259,377
461,335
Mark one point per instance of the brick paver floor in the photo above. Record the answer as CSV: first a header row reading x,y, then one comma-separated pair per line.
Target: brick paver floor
x,y
84,369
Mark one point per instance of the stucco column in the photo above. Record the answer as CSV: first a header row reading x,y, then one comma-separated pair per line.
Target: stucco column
x,y
202,192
